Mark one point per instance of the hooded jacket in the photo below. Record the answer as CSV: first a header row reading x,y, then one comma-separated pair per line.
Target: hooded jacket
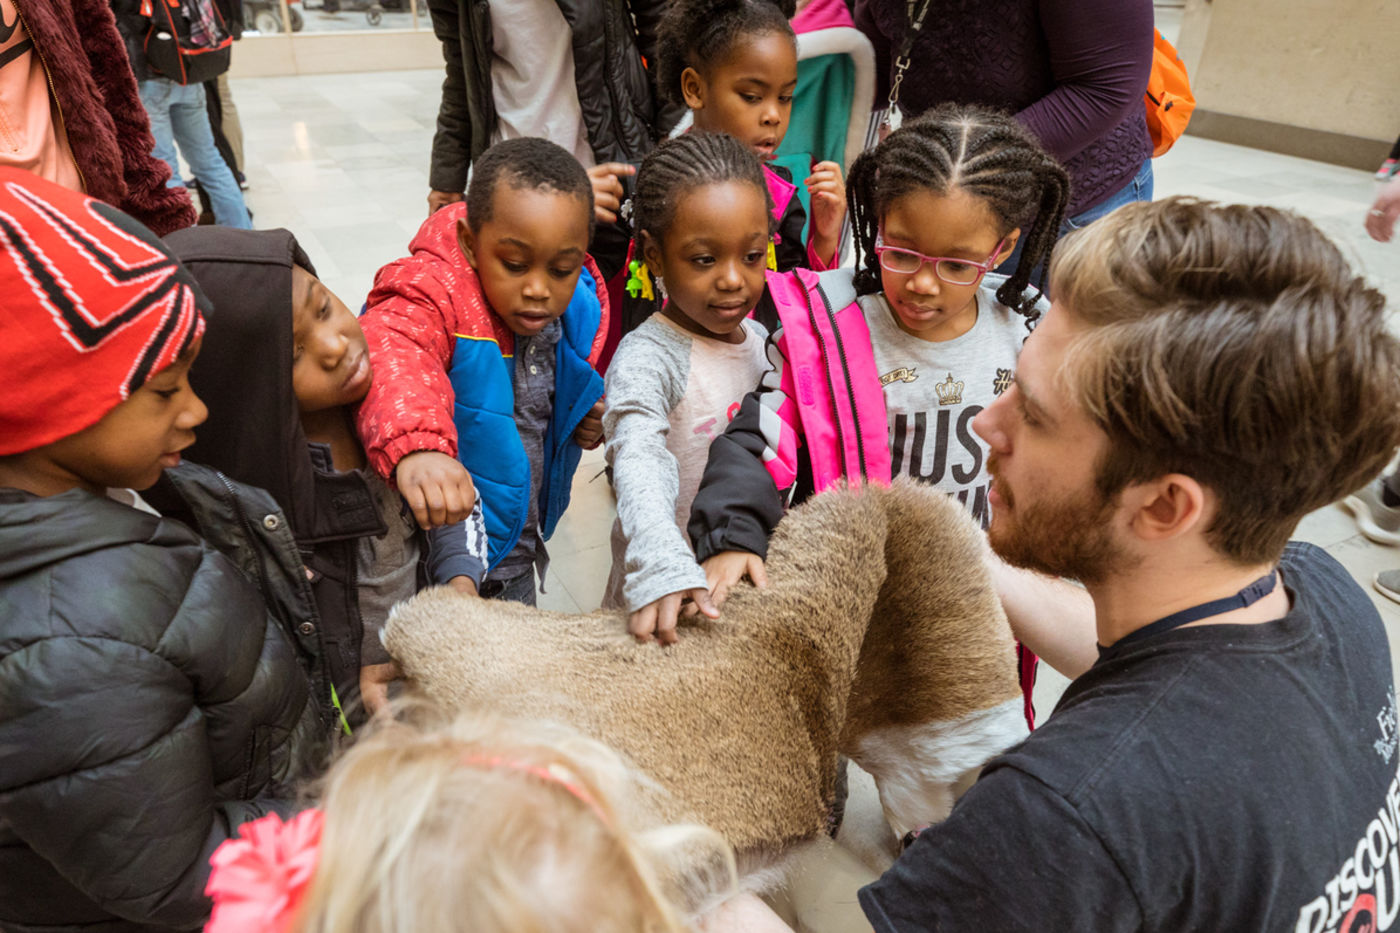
x,y
150,700
445,369
254,434
108,130
615,92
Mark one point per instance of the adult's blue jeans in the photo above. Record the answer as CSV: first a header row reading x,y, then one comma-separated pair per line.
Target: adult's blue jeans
x,y
179,118
1138,188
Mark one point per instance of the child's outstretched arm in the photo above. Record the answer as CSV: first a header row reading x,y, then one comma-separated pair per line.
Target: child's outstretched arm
x,y
405,421
457,553
828,198
645,382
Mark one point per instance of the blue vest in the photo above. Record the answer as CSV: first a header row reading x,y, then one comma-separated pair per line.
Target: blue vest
x,y
488,444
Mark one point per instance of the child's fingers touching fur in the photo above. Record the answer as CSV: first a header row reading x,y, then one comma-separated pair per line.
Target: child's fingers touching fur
x,y
725,569
658,619
374,685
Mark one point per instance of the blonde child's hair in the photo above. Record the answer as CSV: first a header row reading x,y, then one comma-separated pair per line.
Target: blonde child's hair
x,y
481,824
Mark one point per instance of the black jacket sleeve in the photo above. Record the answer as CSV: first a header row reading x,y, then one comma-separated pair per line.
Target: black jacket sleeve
x,y
452,143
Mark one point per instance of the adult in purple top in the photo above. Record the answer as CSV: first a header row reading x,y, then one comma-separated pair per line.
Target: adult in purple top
x,y
1074,71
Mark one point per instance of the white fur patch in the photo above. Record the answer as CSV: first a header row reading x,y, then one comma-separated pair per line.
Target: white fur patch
x,y
915,767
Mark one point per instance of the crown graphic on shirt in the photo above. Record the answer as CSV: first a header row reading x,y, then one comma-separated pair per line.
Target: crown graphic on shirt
x,y
949,392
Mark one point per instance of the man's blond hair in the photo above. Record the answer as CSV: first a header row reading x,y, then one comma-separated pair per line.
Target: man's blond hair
x,y
1235,345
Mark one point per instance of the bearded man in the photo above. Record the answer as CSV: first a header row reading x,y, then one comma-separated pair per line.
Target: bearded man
x,y
1206,376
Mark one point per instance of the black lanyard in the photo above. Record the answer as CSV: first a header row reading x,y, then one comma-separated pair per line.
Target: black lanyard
x,y
914,14
1246,597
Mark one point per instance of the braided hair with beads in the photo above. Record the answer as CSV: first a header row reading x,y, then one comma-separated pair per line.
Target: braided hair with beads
x,y
699,33
986,153
685,163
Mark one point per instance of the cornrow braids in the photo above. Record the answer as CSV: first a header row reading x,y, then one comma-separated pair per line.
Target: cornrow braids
x,y
683,164
525,163
986,153
698,33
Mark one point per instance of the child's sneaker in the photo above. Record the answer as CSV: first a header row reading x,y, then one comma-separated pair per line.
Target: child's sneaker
x,y
1387,583
1388,168
1377,521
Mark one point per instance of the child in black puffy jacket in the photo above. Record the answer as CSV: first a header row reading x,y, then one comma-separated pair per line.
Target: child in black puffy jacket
x,y
151,695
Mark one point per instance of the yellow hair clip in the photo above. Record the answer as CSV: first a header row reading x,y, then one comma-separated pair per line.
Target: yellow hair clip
x,y
772,256
639,281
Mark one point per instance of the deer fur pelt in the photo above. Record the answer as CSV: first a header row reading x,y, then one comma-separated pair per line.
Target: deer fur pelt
x,y
878,636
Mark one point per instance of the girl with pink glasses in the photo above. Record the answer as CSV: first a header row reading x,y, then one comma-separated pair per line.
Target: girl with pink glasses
x,y
878,372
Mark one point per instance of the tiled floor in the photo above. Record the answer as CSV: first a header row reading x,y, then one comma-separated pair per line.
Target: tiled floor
x,y
342,161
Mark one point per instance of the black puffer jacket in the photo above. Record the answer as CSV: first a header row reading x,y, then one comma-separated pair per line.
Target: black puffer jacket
x,y
149,702
621,111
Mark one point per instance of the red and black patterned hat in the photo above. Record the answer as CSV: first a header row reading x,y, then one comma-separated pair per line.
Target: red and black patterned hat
x,y
91,306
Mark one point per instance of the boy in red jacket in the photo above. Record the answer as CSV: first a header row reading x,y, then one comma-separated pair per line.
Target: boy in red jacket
x,y
489,332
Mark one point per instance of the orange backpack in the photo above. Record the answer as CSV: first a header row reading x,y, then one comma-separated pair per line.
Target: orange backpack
x,y
1169,99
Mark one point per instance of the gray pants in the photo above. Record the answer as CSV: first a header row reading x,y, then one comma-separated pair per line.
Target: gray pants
x,y
519,589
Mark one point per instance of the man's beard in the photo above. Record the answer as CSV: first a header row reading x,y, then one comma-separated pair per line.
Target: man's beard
x,y
1065,537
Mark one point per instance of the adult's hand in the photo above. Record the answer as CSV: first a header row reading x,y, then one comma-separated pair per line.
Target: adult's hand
x,y
439,199
1380,220
436,487
607,189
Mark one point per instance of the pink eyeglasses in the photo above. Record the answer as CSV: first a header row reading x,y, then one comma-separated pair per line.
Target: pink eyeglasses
x,y
952,271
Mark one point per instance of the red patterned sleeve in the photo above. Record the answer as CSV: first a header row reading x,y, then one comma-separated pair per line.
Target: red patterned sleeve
x,y
409,327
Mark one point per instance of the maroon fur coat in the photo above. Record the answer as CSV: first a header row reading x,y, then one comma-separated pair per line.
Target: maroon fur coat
x,y
107,127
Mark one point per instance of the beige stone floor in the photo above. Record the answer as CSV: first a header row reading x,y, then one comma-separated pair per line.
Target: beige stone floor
x,y
342,161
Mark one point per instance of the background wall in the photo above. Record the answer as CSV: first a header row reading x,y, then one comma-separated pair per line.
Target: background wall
x,y
1316,78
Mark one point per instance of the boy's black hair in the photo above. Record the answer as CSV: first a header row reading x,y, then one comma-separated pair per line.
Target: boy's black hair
x,y
526,163
986,153
682,164
697,33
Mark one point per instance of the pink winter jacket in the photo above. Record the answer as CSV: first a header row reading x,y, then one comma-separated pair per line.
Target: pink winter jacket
x,y
817,419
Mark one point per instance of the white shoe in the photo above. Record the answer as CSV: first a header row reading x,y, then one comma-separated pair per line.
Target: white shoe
x,y
1377,521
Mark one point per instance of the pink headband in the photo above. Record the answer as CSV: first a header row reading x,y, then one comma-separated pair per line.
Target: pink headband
x,y
554,773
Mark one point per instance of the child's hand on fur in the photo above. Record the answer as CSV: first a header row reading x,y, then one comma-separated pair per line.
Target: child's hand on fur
x,y
589,432
607,189
436,487
374,685
828,192
659,618
725,569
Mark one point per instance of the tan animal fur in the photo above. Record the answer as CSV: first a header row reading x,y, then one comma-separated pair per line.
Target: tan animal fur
x,y
879,635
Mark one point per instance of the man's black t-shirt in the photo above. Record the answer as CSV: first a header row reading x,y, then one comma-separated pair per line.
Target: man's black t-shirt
x,y
1218,777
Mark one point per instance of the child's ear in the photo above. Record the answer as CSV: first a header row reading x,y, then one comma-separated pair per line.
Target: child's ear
x,y
1009,247
467,242
693,89
651,253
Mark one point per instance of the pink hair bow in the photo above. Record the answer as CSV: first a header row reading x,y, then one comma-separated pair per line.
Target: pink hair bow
x,y
259,879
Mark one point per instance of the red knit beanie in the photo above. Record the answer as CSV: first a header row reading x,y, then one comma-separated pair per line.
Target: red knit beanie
x,y
91,306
